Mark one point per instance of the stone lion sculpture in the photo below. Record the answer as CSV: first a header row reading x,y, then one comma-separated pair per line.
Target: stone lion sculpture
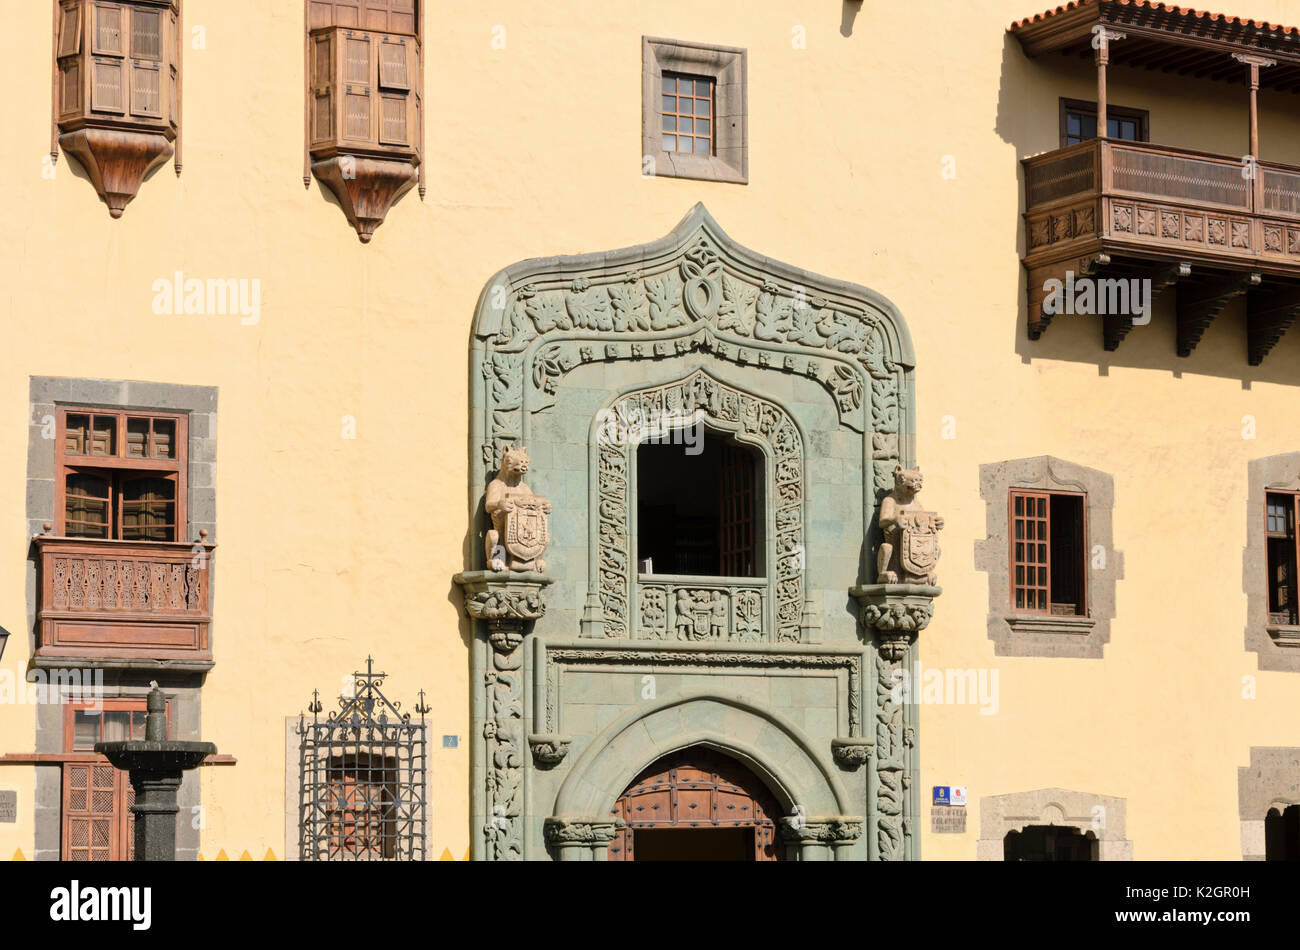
x,y
518,533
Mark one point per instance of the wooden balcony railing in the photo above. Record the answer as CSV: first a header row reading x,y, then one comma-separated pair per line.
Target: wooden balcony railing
x,y
124,600
1143,210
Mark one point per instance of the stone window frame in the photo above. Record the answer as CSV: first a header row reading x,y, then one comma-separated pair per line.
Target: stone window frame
x,y
728,67
1272,780
1000,814
1038,635
1277,645
47,393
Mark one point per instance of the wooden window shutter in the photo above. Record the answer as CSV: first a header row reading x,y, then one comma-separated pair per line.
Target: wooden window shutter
x,y
91,830
1030,547
108,30
146,63
108,69
322,110
394,73
736,504
70,31
174,74
358,121
70,86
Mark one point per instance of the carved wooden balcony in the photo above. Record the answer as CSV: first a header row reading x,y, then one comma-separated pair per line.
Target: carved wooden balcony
x,y
123,602
1211,227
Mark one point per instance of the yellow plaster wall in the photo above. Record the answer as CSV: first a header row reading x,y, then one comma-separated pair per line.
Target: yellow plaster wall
x,y
331,548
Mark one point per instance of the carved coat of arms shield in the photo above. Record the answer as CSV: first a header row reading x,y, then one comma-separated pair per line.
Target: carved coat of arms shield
x,y
920,544
526,531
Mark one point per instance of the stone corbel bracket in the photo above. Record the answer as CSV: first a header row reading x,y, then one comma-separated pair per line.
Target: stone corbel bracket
x,y
549,749
852,751
896,613
505,600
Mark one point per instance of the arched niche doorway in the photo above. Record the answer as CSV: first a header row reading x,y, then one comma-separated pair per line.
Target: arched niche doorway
x,y
696,804
1050,843
1282,834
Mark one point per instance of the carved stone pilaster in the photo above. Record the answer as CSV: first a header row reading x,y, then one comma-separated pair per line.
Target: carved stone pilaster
x,y
508,603
570,837
548,749
892,616
852,751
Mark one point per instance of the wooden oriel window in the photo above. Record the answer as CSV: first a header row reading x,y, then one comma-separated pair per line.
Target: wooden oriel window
x,y
1079,122
121,474
124,55
365,92
1281,509
1048,553
96,803
687,113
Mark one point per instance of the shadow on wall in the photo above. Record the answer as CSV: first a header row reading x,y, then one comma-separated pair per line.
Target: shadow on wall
x,y
1027,119
848,15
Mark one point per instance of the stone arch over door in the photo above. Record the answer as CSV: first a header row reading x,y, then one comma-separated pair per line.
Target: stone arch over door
x,y
811,795
618,430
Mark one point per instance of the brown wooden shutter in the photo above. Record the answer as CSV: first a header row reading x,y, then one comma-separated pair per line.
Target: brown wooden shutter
x,y
70,31
108,68
322,88
90,813
736,505
146,63
1030,552
358,118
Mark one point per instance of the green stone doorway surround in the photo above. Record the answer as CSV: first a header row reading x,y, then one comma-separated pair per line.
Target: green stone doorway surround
x,y
578,683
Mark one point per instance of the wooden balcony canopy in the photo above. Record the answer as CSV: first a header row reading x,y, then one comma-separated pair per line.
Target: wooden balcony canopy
x,y
1168,38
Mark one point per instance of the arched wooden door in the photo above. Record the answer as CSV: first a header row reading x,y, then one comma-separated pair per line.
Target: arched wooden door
x,y
696,804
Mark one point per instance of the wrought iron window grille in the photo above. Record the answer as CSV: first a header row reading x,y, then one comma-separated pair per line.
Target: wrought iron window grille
x,y
362,777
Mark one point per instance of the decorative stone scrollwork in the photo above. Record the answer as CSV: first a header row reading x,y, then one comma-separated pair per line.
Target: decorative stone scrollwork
x,y
548,749
828,830
852,751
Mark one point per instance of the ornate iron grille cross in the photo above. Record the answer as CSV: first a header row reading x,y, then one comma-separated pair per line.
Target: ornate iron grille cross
x,y
362,777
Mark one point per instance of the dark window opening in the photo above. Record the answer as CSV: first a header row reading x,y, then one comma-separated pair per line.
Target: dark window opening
x,y
1282,834
1050,843
1280,515
1079,123
698,504
1049,554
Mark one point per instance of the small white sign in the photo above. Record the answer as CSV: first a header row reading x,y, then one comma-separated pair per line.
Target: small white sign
x,y
959,794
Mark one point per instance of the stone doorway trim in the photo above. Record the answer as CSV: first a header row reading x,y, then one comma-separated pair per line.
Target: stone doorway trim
x,y
1104,815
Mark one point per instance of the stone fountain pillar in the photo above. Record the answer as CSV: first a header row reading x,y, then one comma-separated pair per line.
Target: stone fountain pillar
x,y
156,766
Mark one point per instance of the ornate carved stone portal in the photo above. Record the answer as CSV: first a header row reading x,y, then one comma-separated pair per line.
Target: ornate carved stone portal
x,y
572,357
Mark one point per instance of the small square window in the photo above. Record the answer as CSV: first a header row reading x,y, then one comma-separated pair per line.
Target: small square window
x,y
687,87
